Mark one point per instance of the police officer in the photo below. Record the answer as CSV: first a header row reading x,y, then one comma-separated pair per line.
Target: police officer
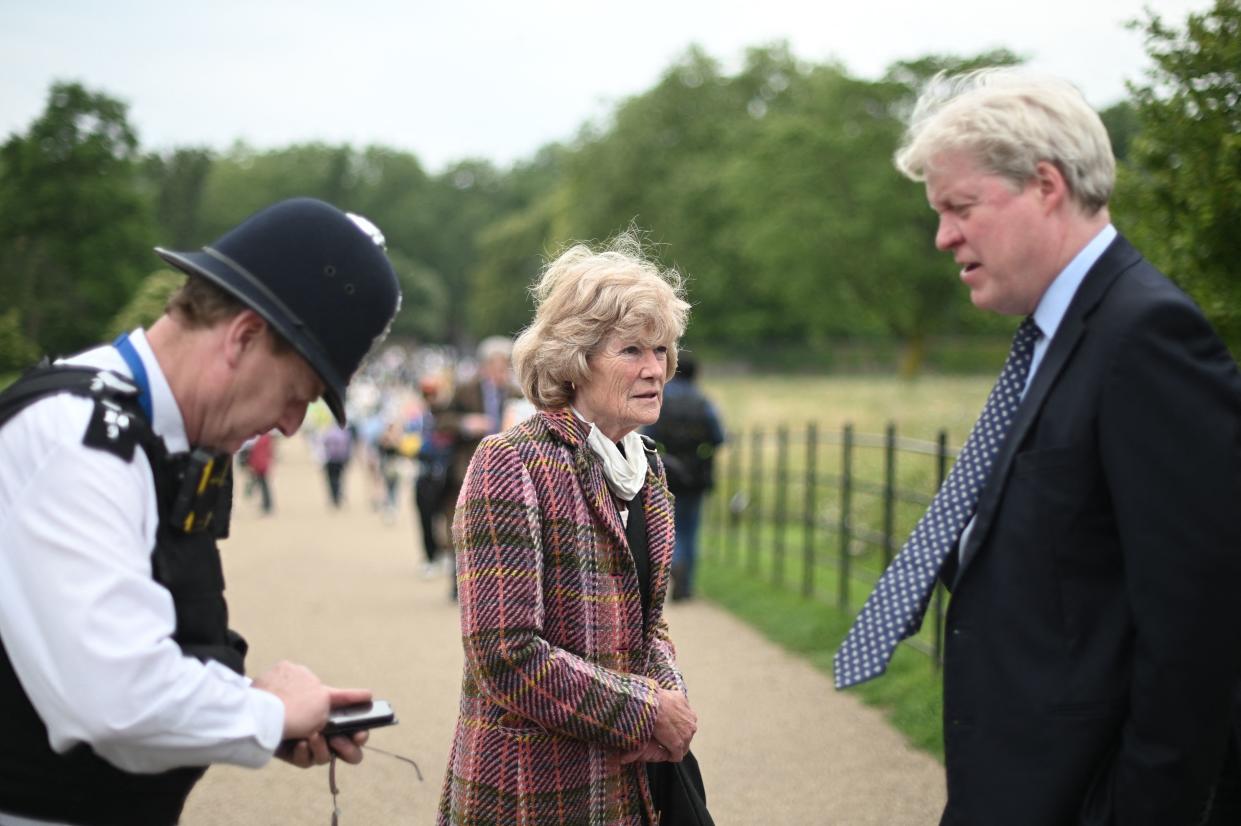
x,y
119,677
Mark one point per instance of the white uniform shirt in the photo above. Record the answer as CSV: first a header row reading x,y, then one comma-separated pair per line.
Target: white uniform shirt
x,y
88,631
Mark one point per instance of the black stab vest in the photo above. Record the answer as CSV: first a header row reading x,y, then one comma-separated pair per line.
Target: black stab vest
x,y
79,787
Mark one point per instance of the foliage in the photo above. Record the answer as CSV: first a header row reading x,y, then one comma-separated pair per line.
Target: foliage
x,y
774,190
178,180
77,230
659,164
147,304
16,351
423,300
430,222
1121,121
511,249
771,188
1180,194
510,255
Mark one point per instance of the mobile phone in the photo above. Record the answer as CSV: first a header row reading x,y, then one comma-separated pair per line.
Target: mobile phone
x,y
348,719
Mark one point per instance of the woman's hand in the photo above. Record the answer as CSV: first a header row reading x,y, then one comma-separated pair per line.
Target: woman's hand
x,y
675,724
652,752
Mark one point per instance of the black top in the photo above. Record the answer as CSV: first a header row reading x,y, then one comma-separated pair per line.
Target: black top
x,y
635,532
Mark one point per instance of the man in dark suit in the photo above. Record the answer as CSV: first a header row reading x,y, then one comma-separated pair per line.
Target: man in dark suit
x,y
1093,641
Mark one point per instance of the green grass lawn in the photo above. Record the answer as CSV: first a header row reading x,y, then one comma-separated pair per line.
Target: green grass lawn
x,y
757,565
919,408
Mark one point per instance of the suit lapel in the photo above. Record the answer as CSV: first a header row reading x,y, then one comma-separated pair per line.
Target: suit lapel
x,y
1119,255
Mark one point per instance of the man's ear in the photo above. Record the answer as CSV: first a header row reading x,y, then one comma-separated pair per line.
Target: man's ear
x,y
243,332
1052,187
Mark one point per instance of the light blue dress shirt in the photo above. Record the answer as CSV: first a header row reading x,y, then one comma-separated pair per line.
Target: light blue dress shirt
x,y
1050,312
1055,302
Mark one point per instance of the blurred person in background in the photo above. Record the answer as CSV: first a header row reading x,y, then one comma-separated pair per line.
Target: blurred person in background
x,y
119,677
564,538
475,410
689,431
388,448
335,450
257,456
434,456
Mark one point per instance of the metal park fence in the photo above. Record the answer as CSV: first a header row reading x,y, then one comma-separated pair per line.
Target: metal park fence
x,y
823,512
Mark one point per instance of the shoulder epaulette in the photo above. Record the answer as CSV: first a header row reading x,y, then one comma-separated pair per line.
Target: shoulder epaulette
x,y
115,424
113,428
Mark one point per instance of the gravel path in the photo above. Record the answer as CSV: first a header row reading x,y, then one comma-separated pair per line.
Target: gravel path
x,y
341,592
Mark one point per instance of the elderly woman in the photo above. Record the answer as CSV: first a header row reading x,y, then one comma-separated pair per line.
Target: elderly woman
x,y
564,536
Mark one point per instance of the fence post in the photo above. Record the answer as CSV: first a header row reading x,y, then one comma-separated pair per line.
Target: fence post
x,y
711,535
846,490
756,498
732,517
782,462
941,455
811,512
889,490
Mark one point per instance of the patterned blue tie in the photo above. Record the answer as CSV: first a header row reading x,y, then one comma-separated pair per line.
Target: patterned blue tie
x,y
895,608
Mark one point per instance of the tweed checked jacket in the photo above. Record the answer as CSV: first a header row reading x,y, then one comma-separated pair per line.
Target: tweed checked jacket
x,y
560,678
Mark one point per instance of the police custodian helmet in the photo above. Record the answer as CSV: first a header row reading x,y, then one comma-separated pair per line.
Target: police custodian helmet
x,y
319,276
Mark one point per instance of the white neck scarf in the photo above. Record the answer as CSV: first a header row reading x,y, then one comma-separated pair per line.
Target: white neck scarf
x,y
625,473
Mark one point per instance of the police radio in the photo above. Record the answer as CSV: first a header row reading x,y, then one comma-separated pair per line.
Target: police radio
x,y
205,496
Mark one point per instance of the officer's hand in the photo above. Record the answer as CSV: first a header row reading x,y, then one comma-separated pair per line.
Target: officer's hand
x,y
306,699
306,703
316,751
349,748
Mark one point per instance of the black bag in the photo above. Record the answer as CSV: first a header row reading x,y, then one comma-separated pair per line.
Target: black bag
x,y
680,797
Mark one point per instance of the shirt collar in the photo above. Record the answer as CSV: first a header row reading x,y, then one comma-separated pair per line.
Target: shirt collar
x,y
167,414
1055,301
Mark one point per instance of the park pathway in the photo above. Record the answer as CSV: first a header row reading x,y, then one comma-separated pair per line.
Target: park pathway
x,y
340,590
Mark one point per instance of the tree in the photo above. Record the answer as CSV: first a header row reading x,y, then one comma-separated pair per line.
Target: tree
x,y
207,196
1121,121
1180,193
147,303
659,164
78,233
178,181
511,251
512,248
16,351
774,191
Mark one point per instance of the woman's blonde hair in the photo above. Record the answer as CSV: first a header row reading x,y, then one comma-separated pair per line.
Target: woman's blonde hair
x,y
581,298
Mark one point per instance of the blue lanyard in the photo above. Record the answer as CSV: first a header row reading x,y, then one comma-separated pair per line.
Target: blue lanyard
x,y
127,351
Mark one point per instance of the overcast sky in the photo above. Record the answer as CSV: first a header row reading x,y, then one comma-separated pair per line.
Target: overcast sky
x,y
496,79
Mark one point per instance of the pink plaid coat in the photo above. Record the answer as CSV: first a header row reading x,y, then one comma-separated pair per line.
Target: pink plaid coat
x,y
560,678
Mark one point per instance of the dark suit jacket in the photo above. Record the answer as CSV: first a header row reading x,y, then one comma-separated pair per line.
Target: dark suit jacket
x,y
1093,637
